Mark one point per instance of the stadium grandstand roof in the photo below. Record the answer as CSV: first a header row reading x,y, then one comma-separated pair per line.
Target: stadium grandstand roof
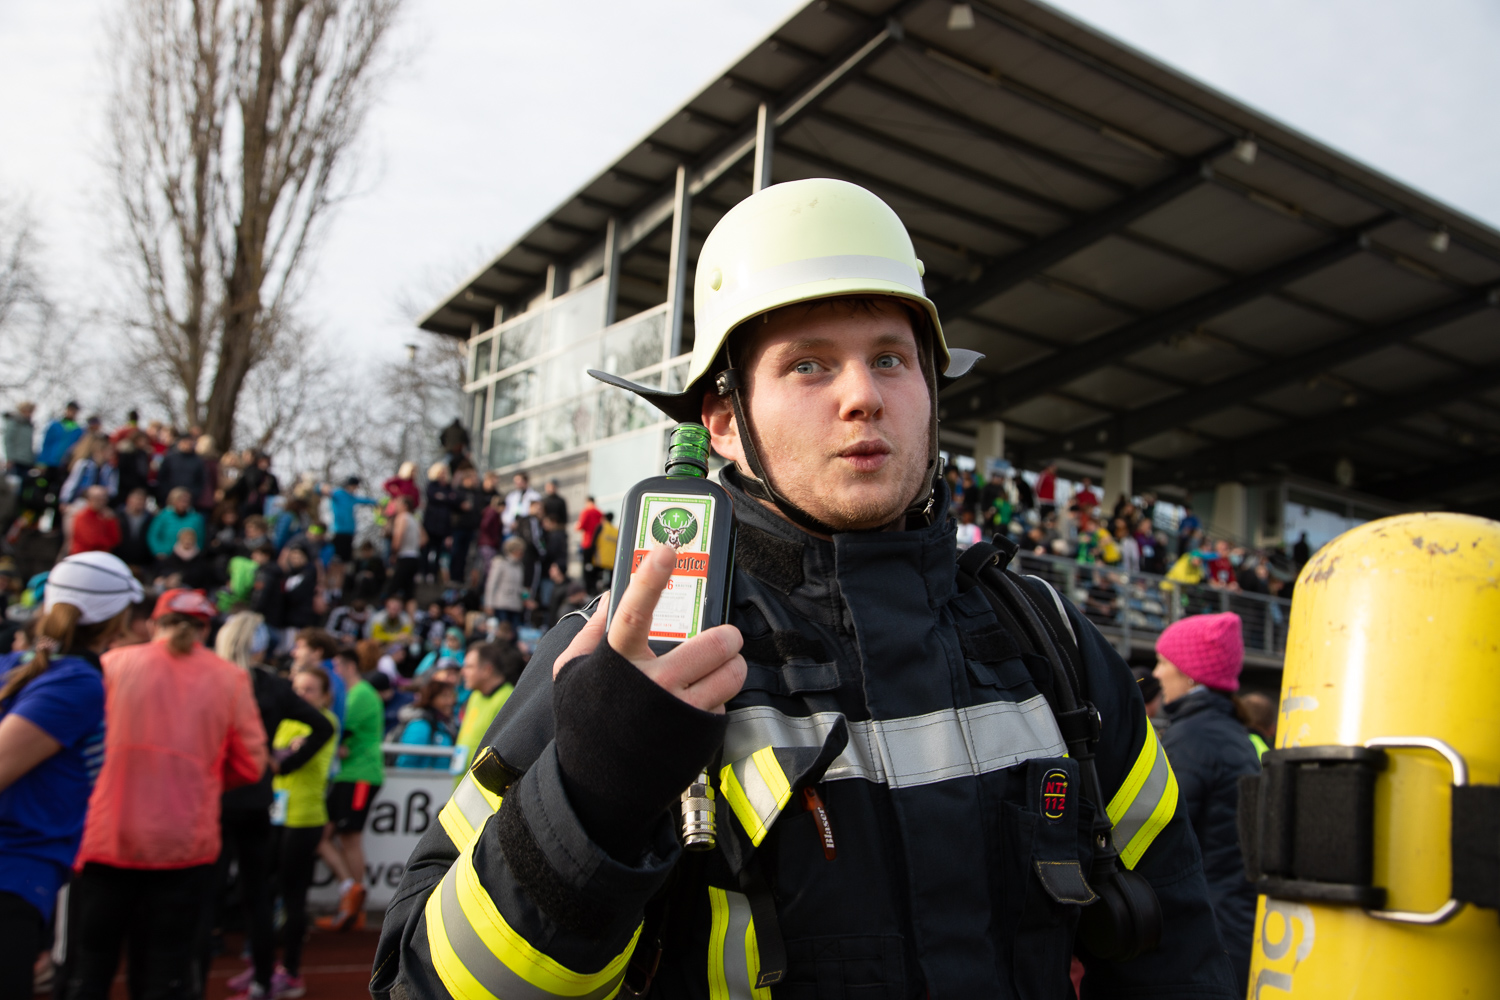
x,y
1149,266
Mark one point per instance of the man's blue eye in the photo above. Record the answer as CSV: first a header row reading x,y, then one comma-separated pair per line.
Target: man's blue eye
x,y
887,361
806,368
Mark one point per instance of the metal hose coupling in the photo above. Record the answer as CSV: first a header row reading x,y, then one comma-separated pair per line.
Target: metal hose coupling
x,y
698,830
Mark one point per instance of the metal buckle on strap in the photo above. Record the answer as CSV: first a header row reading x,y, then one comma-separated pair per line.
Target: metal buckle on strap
x,y
1307,829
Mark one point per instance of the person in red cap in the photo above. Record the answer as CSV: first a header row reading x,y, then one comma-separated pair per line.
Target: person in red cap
x,y
181,727
1198,661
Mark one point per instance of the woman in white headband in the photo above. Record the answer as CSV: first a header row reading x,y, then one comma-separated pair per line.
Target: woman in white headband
x,y
51,747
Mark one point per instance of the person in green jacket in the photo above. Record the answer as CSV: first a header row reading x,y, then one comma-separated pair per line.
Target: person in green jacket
x,y
361,773
179,514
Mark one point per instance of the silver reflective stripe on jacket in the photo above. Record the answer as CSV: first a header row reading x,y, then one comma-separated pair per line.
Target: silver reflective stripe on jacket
x,y
918,750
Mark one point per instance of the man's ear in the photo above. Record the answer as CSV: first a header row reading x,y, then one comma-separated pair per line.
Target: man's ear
x,y
723,431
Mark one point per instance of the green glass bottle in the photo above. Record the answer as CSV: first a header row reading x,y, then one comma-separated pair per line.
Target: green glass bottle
x,y
694,515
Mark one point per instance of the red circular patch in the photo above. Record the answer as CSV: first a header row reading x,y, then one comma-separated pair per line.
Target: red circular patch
x,y
1055,794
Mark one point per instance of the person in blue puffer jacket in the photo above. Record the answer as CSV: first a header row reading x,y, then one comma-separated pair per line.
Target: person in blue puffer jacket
x,y
1198,663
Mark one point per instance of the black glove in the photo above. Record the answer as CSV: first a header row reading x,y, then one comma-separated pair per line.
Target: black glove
x,y
626,746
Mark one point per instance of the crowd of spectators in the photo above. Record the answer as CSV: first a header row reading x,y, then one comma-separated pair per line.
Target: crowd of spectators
x,y
1134,556
406,625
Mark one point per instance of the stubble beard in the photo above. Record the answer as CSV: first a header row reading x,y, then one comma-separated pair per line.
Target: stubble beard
x,y
861,508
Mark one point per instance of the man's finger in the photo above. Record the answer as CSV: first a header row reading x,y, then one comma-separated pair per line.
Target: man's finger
x,y
698,657
631,626
713,692
587,639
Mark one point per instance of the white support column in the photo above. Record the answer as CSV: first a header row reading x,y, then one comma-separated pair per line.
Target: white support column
x,y
1231,518
1118,470
682,207
765,139
989,444
499,314
557,280
611,268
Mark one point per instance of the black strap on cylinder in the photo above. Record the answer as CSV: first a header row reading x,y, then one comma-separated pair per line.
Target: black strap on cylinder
x,y
1476,845
1307,824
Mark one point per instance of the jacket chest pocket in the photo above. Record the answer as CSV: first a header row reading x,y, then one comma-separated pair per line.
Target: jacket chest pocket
x,y
1046,882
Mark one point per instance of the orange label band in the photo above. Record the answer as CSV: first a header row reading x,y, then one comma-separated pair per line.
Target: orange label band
x,y
688,563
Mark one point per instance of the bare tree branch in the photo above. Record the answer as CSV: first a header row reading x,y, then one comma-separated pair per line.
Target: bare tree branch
x,y
232,125
35,342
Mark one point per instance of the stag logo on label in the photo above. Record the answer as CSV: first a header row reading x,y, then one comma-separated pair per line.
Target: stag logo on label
x,y
1055,794
676,526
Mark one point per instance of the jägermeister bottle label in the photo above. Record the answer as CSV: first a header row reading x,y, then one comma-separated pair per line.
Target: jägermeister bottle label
x,y
687,511
684,521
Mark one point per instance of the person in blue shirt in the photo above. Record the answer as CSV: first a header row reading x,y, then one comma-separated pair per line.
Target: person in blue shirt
x,y
59,439
52,746
343,503
428,722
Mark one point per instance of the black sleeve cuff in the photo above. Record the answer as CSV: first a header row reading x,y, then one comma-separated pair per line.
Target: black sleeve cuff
x,y
626,747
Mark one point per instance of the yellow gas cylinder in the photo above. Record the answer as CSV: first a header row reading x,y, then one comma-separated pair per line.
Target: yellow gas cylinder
x,y
1395,633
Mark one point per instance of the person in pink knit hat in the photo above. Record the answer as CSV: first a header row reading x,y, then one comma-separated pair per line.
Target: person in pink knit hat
x,y
1198,661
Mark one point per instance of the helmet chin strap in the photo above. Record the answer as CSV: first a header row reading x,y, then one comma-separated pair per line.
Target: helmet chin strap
x,y
730,382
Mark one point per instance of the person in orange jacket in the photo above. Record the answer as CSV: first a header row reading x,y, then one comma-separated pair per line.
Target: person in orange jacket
x,y
181,727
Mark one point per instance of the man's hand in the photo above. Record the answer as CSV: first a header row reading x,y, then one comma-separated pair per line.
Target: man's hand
x,y
705,671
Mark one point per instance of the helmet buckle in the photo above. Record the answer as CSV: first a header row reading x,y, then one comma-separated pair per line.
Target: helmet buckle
x,y
727,381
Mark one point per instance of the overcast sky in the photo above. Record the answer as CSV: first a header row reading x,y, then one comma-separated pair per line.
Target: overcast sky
x,y
503,108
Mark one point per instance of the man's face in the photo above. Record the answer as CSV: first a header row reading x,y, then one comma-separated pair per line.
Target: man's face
x,y
184,444
98,498
181,502
471,671
136,502
519,482
393,607
841,413
304,655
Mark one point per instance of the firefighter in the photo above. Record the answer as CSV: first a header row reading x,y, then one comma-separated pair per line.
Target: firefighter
x,y
900,810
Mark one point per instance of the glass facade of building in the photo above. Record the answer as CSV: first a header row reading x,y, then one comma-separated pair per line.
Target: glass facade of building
x,y
532,401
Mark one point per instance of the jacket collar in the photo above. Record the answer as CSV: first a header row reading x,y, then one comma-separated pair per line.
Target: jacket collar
x,y
1200,699
770,547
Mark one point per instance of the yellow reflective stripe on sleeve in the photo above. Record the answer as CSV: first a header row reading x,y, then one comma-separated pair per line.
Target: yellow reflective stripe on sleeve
x,y
733,954
757,789
1145,802
478,956
466,811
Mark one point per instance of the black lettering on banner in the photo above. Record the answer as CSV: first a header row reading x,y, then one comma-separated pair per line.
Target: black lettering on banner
x,y
393,874
383,818
418,802
372,875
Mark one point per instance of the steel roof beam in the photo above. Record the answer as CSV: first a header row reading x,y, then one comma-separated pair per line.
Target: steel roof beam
x,y
1118,434
1029,381
926,199
1012,270
857,128
981,129
1301,436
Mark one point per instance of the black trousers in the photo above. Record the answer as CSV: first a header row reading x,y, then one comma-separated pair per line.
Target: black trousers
x,y
296,855
343,547
247,840
20,944
458,557
404,580
432,554
155,914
